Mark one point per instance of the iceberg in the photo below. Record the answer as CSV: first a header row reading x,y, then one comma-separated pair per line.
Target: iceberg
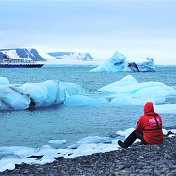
x,y
128,91
50,92
147,65
71,89
12,100
119,63
116,63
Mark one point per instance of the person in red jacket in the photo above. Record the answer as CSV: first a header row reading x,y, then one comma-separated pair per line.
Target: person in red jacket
x,y
148,128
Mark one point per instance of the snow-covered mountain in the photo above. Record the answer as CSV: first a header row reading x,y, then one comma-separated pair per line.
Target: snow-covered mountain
x,y
21,53
52,58
2,55
68,58
71,55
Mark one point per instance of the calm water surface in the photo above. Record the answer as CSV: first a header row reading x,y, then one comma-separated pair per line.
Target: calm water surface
x,y
36,128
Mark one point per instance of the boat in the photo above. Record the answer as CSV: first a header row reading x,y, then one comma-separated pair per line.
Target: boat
x,y
19,63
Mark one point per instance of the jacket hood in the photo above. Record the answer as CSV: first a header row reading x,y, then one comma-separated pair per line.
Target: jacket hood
x,y
149,108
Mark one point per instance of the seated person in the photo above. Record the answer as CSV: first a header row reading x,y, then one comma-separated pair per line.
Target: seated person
x,y
148,128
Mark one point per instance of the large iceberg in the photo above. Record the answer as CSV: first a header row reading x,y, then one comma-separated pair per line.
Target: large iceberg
x,y
118,62
126,91
50,92
129,91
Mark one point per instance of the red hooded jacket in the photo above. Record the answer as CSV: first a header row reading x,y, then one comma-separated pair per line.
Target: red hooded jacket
x,y
150,124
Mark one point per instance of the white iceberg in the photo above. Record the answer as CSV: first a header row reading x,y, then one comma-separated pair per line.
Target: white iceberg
x,y
147,65
128,91
10,99
118,63
50,92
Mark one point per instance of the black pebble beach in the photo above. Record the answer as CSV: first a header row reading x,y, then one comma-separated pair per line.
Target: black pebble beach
x,y
138,160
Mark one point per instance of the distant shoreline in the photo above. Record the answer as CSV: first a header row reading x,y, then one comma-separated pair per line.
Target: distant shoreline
x,y
89,65
69,65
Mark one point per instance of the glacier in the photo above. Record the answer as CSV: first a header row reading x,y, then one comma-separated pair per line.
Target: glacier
x,y
126,91
118,63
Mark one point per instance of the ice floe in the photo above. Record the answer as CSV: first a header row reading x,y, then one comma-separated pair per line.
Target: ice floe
x,y
9,156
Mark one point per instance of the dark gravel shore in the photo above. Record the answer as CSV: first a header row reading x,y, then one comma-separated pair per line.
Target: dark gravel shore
x,y
139,160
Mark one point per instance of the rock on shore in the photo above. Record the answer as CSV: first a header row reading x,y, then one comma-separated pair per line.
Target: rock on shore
x,y
138,160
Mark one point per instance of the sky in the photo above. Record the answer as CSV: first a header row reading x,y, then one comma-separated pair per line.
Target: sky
x,y
136,28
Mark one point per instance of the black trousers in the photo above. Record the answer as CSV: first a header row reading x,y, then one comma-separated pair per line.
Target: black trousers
x,y
132,137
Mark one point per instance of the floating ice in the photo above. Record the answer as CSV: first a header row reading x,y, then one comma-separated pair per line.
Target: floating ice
x,y
57,141
125,133
116,63
128,91
165,108
71,89
94,139
147,65
119,63
19,97
11,99
79,100
4,81
9,156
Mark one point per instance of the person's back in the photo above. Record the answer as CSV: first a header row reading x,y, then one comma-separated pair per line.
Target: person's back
x,y
148,128
150,124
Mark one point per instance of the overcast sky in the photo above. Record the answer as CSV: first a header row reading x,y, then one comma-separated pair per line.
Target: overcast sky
x,y
138,29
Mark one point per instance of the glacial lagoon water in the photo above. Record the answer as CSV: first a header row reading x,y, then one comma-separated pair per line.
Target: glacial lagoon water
x,y
72,123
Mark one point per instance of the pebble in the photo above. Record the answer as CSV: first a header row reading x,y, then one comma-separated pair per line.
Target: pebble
x,y
138,160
